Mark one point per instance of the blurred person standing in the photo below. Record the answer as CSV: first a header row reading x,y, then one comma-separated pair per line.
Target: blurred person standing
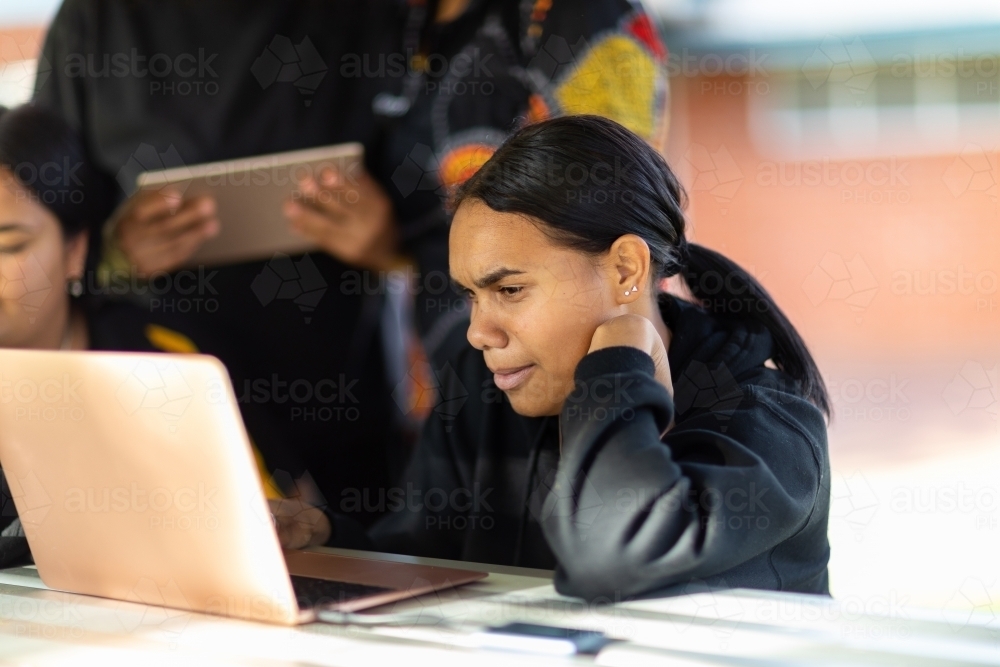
x,y
465,74
154,84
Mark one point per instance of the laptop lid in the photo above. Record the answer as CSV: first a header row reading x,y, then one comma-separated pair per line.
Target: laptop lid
x,y
134,479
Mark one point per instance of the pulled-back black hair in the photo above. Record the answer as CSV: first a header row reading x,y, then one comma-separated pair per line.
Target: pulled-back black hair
x,y
590,181
47,157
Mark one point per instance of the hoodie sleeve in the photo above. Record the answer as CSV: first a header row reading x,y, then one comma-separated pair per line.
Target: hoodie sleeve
x,y
637,511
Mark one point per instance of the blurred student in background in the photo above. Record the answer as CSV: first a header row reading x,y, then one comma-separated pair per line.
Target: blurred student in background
x,y
466,74
50,195
153,84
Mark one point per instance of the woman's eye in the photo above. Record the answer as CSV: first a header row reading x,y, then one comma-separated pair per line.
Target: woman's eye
x,y
12,248
511,291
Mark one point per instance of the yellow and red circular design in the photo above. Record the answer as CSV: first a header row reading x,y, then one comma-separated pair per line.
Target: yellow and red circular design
x,y
460,163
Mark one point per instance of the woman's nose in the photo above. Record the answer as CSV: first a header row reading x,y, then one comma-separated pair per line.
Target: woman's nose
x,y
484,332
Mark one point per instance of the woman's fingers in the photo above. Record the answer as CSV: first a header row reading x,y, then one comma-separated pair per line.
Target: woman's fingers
x,y
193,213
175,251
299,524
313,224
330,192
150,205
152,253
635,331
158,232
348,216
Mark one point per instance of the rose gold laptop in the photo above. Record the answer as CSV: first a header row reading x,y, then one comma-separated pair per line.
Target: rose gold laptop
x,y
135,480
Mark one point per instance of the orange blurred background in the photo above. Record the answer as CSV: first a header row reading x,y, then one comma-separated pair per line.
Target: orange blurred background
x,y
883,248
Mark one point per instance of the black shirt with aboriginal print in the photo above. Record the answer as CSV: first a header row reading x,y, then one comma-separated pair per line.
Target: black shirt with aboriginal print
x,y
456,90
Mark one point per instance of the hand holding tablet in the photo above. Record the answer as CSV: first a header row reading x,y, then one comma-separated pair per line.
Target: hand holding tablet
x,y
353,221
159,231
231,211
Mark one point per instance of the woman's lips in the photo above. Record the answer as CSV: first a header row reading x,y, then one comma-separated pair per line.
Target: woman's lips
x,y
512,378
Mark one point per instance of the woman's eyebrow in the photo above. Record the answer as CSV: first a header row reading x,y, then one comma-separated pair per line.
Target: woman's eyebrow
x,y
13,227
496,275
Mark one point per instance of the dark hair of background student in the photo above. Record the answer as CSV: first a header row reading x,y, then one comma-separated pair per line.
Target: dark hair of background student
x,y
46,155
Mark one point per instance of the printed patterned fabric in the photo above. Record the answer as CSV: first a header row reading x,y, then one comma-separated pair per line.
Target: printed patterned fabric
x,y
619,73
597,56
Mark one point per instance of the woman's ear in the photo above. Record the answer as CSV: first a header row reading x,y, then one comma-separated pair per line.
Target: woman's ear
x,y
629,267
76,256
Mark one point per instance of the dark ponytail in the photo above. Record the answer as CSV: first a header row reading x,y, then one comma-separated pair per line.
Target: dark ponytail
x,y
590,181
726,290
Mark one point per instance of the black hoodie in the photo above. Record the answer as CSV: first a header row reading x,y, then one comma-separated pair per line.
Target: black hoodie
x,y
735,494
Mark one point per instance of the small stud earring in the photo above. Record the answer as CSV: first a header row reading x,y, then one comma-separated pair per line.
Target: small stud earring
x,y
75,287
627,292
635,288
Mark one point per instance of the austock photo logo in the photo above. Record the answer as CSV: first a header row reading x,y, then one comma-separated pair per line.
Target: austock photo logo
x,y
34,501
418,172
54,399
583,71
7,507
835,279
715,172
54,181
836,61
557,56
973,170
555,496
284,62
184,74
711,389
287,279
425,387
148,158
974,604
698,609
974,388
24,281
450,607
22,68
326,399
870,399
863,182
853,501
158,386
151,610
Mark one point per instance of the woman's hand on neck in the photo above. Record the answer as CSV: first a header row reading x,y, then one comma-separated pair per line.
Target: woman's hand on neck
x,y
638,331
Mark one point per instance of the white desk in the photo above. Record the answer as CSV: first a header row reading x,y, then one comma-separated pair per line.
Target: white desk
x,y
43,627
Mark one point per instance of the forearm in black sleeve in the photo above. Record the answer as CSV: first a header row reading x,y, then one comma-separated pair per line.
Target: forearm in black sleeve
x,y
639,519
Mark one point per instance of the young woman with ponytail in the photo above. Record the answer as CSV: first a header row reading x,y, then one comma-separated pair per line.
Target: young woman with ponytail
x,y
590,422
